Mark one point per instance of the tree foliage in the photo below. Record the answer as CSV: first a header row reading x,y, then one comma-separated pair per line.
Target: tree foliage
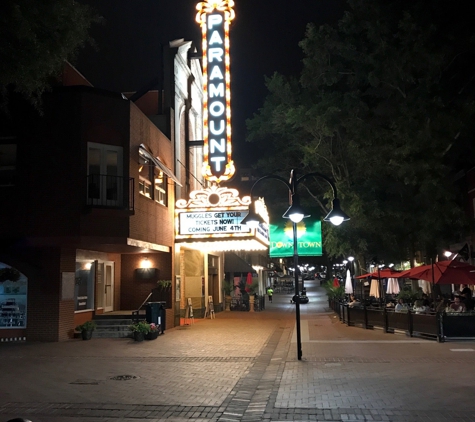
x,y
383,105
36,37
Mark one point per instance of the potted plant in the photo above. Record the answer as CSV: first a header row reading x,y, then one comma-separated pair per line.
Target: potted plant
x,y
139,329
164,284
408,295
334,293
153,333
163,292
86,329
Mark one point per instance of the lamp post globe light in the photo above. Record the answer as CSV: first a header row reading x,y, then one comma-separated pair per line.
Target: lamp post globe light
x,y
296,214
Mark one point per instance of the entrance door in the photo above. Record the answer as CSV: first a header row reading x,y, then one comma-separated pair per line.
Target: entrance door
x,y
213,287
108,286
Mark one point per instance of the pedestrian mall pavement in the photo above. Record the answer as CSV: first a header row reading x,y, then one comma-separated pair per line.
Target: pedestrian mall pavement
x,y
242,366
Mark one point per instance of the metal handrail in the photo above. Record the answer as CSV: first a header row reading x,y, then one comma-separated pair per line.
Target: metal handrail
x,y
135,314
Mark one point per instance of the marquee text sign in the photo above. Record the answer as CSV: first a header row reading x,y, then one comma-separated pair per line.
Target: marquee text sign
x,y
214,18
214,216
212,222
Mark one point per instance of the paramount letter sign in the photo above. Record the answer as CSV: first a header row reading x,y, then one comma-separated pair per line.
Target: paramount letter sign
x,y
214,18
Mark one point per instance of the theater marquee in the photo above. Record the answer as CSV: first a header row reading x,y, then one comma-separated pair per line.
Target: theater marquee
x,y
211,219
214,18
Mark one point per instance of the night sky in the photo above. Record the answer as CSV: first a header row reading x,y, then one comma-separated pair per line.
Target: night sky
x,y
264,39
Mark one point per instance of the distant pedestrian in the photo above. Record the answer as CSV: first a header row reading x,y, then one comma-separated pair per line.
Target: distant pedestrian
x,y
270,292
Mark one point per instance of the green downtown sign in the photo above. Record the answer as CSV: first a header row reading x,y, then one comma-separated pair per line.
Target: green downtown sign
x,y
309,239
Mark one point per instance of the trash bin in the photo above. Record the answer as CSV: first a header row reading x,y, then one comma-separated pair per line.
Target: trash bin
x,y
162,316
152,312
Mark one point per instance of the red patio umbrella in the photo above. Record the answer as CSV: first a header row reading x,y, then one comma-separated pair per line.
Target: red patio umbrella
x,y
384,273
336,283
248,281
445,272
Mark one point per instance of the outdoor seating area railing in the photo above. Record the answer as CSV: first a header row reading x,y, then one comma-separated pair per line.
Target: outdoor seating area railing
x,y
439,326
240,304
243,304
259,303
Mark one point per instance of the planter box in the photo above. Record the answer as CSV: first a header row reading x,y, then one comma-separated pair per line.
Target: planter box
x,y
152,335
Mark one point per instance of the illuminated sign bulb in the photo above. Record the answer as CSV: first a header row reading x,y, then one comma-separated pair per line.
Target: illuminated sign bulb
x,y
214,18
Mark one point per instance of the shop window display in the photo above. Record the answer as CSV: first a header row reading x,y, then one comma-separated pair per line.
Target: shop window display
x,y
13,297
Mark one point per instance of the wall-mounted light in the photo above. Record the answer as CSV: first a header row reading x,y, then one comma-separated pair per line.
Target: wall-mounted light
x,y
145,271
87,265
145,263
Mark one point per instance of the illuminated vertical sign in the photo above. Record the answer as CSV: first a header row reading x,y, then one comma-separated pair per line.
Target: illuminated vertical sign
x,y
214,18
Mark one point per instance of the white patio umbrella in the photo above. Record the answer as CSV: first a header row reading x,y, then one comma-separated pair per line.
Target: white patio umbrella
x,y
374,289
393,286
426,287
348,283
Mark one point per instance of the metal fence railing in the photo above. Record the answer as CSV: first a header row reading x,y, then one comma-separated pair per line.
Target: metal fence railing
x,y
439,326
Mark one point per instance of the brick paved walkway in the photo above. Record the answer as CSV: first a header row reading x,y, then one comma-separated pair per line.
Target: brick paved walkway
x,y
242,367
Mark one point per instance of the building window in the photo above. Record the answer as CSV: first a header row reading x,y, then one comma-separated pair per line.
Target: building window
x,y
144,187
7,164
153,182
160,186
146,178
13,297
105,175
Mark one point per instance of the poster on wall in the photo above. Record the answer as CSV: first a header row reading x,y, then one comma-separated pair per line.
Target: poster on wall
x,y
178,288
81,289
13,298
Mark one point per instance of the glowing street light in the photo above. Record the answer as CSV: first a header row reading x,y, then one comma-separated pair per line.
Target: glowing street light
x,y
296,214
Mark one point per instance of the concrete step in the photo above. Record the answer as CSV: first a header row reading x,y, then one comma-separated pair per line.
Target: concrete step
x,y
111,331
112,328
103,321
105,333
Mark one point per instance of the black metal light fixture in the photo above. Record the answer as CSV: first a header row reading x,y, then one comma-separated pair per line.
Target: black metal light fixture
x,y
336,216
296,214
252,219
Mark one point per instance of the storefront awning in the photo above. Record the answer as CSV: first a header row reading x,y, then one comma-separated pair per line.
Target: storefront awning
x,y
235,264
155,160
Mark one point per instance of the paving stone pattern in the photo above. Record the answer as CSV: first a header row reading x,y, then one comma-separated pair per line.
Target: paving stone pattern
x,y
242,367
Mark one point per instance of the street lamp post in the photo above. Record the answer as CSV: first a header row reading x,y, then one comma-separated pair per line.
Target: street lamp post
x,y
296,214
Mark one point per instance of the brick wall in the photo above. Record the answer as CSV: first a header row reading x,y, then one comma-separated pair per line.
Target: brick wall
x,y
43,296
66,325
152,222
133,289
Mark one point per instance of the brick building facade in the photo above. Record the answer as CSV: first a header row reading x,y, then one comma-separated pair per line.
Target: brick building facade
x,y
91,192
